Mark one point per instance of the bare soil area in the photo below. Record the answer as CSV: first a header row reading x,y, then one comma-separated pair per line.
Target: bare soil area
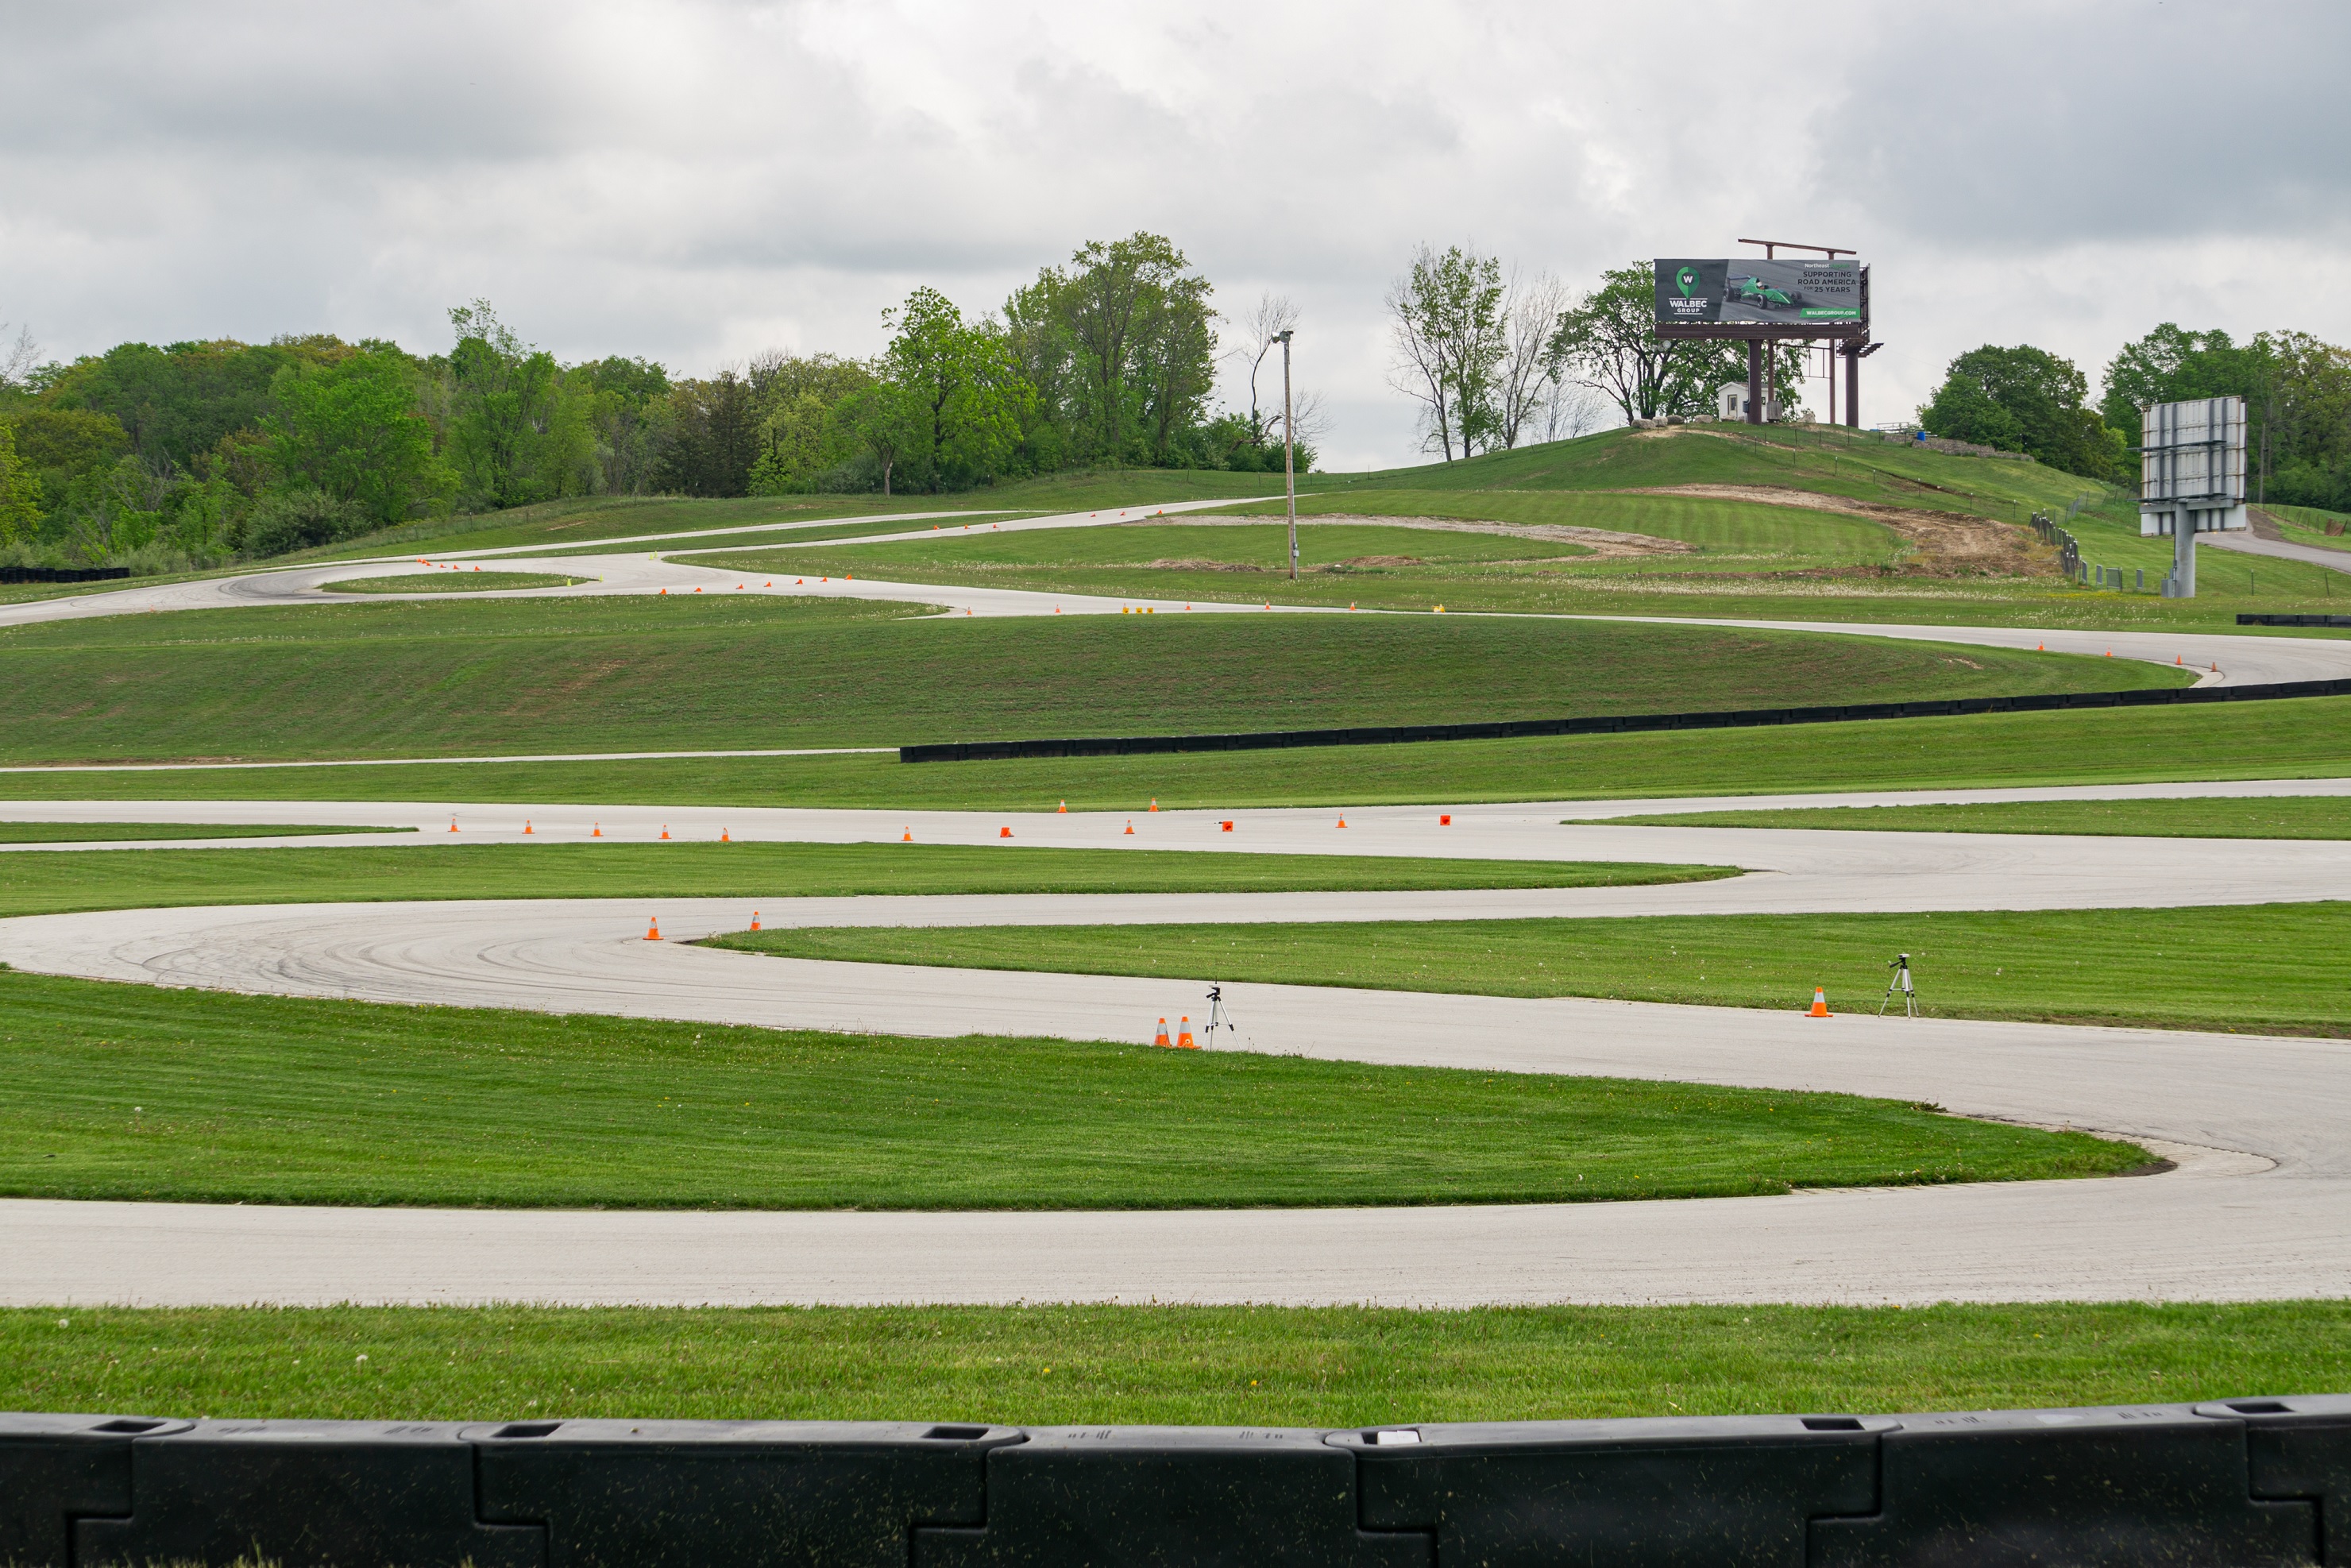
x,y
1942,544
1599,541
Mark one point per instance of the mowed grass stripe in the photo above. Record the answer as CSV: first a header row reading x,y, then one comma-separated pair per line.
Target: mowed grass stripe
x,y
136,1092
2275,967
383,678
2213,817
1242,1366
2307,737
108,832
151,879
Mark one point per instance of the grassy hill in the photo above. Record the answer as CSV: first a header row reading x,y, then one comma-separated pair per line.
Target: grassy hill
x,y
457,676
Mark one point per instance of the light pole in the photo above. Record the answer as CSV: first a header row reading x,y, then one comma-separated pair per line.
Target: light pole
x,y
1288,466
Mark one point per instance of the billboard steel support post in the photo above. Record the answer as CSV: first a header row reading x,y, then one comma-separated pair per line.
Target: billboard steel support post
x,y
1853,384
1754,381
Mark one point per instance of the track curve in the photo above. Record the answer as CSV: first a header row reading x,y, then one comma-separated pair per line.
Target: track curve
x,y
2261,1207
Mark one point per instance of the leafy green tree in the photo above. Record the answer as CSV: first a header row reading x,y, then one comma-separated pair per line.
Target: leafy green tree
x,y
352,430
628,410
501,402
714,437
174,402
807,443
2045,398
20,491
302,519
63,444
1445,317
2170,365
952,396
1119,350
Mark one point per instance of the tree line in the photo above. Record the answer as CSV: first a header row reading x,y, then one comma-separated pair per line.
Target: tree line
x,y
195,453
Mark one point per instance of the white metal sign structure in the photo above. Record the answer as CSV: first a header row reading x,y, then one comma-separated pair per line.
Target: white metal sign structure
x,y
2192,468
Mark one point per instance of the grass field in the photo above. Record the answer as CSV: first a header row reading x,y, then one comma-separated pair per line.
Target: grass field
x,y
2264,968
107,833
138,1093
1261,1366
2306,739
384,678
151,878
2287,817
475,581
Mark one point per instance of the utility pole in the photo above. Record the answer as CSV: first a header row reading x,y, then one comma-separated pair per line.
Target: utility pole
x,y
1289,459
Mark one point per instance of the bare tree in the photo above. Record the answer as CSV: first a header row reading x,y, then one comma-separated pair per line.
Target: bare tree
x,y
1527,377
19,358
1308,417
1259,333
1569,409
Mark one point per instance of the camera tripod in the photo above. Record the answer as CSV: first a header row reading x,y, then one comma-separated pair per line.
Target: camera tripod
x,y
1220,1015
1901,967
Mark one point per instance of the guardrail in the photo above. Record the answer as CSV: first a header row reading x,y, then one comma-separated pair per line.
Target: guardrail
x,y
2234,1483
1619,724
2245,619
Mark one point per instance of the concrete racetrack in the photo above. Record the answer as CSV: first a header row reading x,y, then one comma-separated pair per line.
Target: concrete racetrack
x,y
2259,1207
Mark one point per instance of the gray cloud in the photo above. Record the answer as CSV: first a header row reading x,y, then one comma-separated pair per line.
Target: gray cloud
x,y
695,180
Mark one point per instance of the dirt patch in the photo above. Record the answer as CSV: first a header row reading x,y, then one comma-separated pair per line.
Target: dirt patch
x,y
1942,544
1599,541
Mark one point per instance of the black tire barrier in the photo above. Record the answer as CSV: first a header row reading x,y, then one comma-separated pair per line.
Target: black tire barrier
x,y
2246,619
62,573
2232,1484
1620,724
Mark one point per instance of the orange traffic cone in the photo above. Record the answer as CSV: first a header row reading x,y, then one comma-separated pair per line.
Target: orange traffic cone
x,y
1183,1040
453,824
653,930
598,832
1004,832
1155,802
1130,827
723,838
664,830
1343,821
907,837
1820,1004
526,825
1161,1039
1063,809
754,920
664,593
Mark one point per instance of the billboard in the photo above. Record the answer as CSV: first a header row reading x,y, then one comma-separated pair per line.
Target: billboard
x,y
1696,292
2193,452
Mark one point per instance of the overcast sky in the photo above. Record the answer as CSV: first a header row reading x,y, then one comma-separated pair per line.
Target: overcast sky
x,y
695,182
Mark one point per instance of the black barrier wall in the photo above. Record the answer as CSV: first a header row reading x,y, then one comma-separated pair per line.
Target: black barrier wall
x,y
2244,1483
1743,718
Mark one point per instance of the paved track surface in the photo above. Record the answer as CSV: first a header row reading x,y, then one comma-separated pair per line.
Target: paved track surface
x,y
1793,871
2246,542
2260,1209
